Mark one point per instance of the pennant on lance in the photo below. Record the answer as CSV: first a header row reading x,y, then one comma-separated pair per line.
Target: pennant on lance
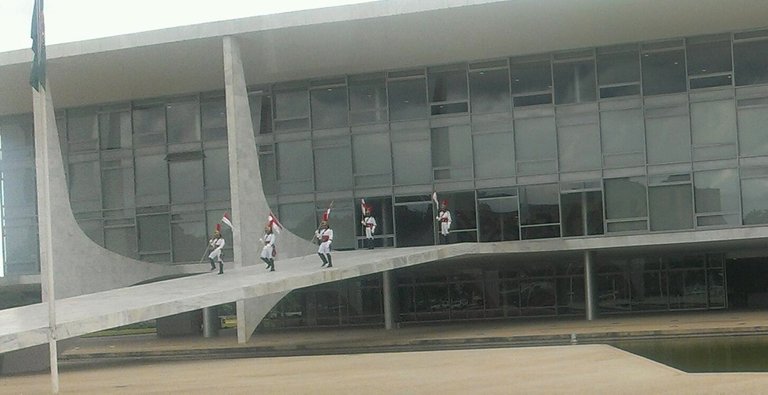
x,y
273,223
227,220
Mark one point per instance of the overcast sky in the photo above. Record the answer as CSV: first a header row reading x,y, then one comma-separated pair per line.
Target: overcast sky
x,y
75,20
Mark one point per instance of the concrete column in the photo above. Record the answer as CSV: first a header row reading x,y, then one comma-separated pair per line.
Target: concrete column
x,y
211,321
590,299
389,299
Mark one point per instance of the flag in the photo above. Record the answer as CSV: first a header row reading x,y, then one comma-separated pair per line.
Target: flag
x,y
37,75
226,220
363,207
327,212
273,223
434,198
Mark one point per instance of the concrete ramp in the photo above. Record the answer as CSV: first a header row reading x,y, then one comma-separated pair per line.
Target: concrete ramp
x,y
26,326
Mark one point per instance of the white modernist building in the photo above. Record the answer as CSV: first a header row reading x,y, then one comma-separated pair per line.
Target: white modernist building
x,y
598,157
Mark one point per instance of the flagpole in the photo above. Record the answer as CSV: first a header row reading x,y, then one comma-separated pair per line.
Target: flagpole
x,y
41,112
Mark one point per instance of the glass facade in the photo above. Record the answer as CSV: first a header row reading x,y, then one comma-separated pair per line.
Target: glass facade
x,y
636,138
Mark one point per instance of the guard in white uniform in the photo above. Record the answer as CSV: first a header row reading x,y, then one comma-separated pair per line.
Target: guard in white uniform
x,y
444,219
268,252
369,225
325,236
217,243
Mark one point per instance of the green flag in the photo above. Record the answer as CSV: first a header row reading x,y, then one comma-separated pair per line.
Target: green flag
x,y
37,76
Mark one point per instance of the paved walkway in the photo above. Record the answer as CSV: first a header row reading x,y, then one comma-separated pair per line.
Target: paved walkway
x,y
423,337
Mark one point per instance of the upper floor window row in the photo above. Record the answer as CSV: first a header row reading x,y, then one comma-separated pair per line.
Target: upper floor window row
x,y
655,68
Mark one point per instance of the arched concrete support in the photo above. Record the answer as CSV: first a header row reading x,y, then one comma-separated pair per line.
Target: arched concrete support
x,y
249,205
80,265
255,309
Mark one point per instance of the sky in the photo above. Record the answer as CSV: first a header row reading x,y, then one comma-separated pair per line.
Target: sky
x,y
76,20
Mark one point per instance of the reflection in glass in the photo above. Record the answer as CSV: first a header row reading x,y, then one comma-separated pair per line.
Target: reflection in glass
x,y
213,115
294,167
372,160
663,72
625,200
582,213
670,207
753,130
618,73
579,146
713,130
291,109
716,192
151,180
749,59
154,233
623,137
407,99
574,82
668,139
411,163
183,122
489,91
536,140
329,108
499,219
494,155
186,181
414,224
754,204
115,129
149,126
367,101
333,168
451,149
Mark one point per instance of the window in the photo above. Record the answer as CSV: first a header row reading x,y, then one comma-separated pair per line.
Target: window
x,y
186,175
448,90
489,90
749,53
333,164
663,72
539,211
717,197
299,218
329,107
754,189
713,130
291,109
494,154
618,71
498,215
154,238
574,81
626,208
668,135
83,131
670,202
536,145
216,163
407,98
151,180
213,113
452,153
582,208
183,121
85,186
531,82
414,221
187,234
367,99
117,179
709,62
294,166
411,156
753,126
261,113
623,137
372,160
578,142
115,129
149,126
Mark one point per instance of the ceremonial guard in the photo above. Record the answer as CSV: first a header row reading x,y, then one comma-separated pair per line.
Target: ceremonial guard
x,y
444,219
325,236
217,244
369,225
268,252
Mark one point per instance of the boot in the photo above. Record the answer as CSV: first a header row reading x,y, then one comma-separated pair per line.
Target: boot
x,y
330,263
221,267
266,260
322,257
271,264
370,244
213,264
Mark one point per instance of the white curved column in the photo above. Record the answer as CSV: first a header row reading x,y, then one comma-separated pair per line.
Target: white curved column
x,y
80,266
249,204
